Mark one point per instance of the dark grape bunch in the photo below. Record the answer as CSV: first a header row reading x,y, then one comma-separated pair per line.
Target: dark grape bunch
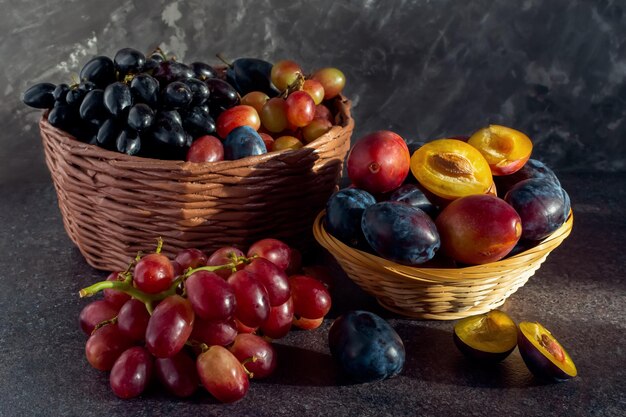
x,y
160,108
201,320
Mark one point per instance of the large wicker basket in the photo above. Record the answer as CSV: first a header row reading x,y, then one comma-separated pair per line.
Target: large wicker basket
x,y
114,205
441,294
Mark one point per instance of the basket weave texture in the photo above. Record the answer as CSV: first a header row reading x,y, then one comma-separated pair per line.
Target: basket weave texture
x,y
439,293
114,205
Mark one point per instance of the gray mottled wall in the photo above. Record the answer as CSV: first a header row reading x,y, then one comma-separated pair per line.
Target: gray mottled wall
x,y
425,69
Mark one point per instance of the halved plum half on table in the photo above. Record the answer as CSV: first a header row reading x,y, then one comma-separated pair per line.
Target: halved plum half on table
x,y
544,356
451,169
489,337
505,149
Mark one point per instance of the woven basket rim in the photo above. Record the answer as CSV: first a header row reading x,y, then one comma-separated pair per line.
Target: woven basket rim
x,y
344,115
418,273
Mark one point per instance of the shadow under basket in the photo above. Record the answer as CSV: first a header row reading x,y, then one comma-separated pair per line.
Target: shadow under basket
x,y
439,293
114,205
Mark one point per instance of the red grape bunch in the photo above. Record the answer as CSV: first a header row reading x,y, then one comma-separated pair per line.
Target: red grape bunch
x,y
200,320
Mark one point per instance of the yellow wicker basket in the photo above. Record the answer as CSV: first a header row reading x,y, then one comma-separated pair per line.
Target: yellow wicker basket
x,y
441,294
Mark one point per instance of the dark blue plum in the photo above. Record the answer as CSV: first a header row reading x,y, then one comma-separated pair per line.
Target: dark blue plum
x,y
251,74
531,169
412,195
400,233
243,141
366,347
542,205
344,210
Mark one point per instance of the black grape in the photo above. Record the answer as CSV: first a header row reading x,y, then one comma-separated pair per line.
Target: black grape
x,y
108,133
145,89
140,117
177,95
168,130
117,98
92,109
203,71
60,92
129,61
99,70
198,122
170,71
199,90
40,96
128,142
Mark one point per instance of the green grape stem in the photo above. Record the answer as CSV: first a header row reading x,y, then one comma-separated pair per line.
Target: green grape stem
x,y
126,286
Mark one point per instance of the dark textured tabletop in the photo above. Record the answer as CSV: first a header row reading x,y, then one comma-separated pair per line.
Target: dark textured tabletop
x,y
579,294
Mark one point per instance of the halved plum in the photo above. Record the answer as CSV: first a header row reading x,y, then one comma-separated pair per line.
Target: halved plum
x,y
543,355
488,337
505,149
451,169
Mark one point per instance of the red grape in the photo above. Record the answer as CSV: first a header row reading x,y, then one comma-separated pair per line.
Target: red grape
x,y
115,297
322,112
253,305
279,321
315,129
256,99
95,313
273,250
242,328
320,273
210,296
237,116
272,278
295,262
268,140
104,346
311,299
223,256
248,346
222,375
191,258
206,149
333,81
131,373
307,324
153,273
287,142
300,108
284,73
178,374
315,89
274,115
133,320
214,332
169,327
